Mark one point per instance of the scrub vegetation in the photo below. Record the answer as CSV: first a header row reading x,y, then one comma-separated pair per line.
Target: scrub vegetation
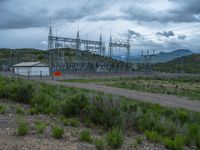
x,y
174,128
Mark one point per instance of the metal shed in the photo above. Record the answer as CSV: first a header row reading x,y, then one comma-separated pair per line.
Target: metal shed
x,y
32,69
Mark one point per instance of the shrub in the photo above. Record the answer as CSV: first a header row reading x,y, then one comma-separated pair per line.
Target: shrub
x,y
105,111
85,136
69,121
33,111
2,109
74,106
193,135
73,122
23,127
115,138
57,132
182,115
45,103
153,136
19,110
22,92
99,144
176,144
40,127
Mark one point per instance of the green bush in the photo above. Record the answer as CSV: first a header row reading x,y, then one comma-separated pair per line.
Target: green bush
x,y
22,92
153,136
17,89
71,122
33,111
19,110
99,144
57,132
175,144
193,136
45,103
23,127
2,109
40,126
85,136
115,138
74,106
105,111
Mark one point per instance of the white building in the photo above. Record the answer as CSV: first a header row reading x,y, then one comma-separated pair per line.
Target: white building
x,y
32,69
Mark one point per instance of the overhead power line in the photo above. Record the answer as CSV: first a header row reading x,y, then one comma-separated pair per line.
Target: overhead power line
x,y
86,4
101,11
137,2
177,29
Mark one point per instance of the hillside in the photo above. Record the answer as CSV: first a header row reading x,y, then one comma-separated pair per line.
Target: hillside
x,y
164,57
191,64
9,57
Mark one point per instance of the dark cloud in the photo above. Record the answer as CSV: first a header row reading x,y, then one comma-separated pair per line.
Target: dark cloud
x,y
165,34
132,35
183,11
182,37
17,14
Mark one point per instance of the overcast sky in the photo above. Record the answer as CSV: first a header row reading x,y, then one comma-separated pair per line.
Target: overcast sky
x,y
163,25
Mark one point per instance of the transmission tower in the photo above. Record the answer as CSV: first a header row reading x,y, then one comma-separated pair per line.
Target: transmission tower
x,y
121,45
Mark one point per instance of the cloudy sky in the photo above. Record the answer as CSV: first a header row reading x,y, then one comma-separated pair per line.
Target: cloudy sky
x,y
163,25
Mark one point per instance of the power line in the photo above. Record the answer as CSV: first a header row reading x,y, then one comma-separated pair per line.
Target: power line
x,y
86,4
99,12
115,16
177,29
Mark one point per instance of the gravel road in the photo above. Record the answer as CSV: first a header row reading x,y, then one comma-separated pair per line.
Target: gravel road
x,y
163,100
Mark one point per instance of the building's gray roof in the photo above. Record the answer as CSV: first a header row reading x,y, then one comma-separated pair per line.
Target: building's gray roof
x,y
31,64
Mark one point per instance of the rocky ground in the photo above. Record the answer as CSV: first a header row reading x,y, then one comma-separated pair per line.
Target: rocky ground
x,y
10,140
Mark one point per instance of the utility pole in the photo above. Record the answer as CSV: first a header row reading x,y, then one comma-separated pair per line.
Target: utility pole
x,y
148,60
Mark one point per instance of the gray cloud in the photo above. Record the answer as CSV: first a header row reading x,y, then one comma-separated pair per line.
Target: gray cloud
x,y
165,34
17,14
182,37
183,11
132,35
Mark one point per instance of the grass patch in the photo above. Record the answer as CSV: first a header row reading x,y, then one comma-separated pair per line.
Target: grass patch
x,y
153,136
40,126
86,136
115,138
99,144
74,122
19,110
174,144
2,109
57,132
23,127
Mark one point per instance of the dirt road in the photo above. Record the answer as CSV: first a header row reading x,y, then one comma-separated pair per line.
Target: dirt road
x,y
163,100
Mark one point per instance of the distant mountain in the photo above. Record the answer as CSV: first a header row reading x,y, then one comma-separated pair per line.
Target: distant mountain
x,y
164,57
187,64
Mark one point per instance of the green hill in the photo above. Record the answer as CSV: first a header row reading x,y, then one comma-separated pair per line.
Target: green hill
x,y
187,64
9,57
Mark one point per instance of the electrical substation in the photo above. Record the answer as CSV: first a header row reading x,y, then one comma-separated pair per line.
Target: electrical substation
x,y
88,55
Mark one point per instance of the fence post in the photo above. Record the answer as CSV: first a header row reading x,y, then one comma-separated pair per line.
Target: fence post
x,y
40,75
28,74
